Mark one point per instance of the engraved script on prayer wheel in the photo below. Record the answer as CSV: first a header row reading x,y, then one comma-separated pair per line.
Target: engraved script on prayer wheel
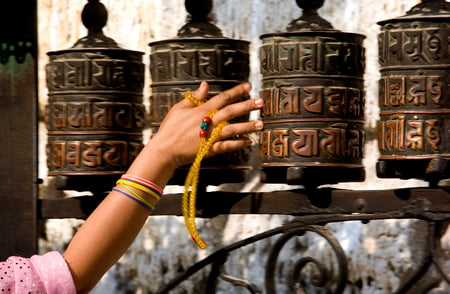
x,y
413,130
95,115
314,103
199,53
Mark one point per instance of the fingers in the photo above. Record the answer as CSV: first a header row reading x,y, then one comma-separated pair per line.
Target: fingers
x,y
229,146
233,130
238,109
236,129
229,96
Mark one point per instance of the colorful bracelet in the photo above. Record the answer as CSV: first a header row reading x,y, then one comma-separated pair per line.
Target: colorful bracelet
x,y
144,182
133,198
140,187
138,196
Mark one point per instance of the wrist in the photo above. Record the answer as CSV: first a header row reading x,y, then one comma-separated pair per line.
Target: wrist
x,y
153,165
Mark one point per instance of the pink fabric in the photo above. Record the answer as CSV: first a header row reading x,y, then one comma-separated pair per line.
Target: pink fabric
x,y
43,274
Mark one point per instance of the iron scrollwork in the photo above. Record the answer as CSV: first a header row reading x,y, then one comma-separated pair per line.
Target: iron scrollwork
x,y
331,278
287,231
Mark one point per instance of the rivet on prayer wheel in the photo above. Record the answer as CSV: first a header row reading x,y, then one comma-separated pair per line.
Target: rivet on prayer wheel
x,y
198,53
314,103
413,130
95,113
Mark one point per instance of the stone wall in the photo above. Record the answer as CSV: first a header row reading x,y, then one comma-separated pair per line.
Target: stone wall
x,y
379,253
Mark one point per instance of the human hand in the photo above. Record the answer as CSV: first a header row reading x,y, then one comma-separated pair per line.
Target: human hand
x,y
177,141
178,135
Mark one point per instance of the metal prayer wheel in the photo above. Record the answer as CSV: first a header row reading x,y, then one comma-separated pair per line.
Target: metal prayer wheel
x,y
199,53
413,130
95,113
314,103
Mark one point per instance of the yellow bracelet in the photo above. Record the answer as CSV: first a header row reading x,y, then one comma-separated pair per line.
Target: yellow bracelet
x,y
138,196
139,187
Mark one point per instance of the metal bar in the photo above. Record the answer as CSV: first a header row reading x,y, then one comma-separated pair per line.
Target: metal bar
x,y
293,202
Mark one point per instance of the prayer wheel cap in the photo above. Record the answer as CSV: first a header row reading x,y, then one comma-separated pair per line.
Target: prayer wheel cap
x,y
94,17
199,21
310,19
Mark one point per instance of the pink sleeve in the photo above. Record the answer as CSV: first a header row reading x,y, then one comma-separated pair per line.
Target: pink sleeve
x,y
48,274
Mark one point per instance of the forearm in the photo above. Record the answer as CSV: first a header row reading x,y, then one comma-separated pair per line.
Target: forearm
x,y
112,227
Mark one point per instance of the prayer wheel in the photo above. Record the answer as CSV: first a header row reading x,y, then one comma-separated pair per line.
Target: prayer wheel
x,y
413,130
312,85
199,53
95,113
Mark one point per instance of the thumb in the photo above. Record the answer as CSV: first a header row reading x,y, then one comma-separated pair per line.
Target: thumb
x,y
202,91
198,95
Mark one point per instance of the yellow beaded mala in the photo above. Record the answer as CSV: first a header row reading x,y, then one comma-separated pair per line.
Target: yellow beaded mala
x,y
190,186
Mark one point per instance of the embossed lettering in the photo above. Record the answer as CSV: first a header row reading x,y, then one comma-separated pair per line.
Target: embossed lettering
x,y
280,145
416,90
264,144
92,156
313,101
323,54
433,133
338,141
96,114
412,45
85,155
335,143
94,73
307,144
400,134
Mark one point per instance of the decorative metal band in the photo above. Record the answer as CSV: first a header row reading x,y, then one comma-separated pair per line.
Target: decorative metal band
x,y
312,53
414,43
112,69
408,134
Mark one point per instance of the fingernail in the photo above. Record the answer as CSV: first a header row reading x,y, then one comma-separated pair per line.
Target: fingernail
x,y
259,125
259,102
247,87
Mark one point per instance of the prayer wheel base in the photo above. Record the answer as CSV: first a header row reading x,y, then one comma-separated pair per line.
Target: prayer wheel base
x,y
431,169
311,175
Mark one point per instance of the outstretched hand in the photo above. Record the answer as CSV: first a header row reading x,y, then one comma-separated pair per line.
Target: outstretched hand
x,y
177,140
179,132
